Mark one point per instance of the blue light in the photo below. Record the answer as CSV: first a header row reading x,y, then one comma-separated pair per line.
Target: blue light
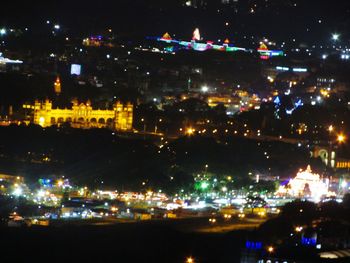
x,y
298,104
253,245
308,241
277,100
290,112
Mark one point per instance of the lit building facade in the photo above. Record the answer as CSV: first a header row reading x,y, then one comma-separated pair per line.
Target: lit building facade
x,y
82,115
307,185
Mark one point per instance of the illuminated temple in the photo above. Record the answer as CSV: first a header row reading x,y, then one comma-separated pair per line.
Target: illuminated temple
x,y
306,185
82,115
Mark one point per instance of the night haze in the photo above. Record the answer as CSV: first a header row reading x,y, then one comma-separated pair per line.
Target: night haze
x,y
185,131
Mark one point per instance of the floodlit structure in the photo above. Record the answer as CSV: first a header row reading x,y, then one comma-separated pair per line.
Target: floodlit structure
x,y
306,185
82,115
4,60
196,35
197,45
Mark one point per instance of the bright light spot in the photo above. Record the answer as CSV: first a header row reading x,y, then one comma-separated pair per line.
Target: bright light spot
x,y
18,191
57,27
190,131
204,185
2,31
341,138
298,229
205,89
335,37
196,35
344,184
41,194
212,220
42,121
271,79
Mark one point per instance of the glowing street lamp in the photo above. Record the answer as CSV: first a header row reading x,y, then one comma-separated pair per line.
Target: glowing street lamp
x,y
189,260
298,229
190,131
205,89
341,138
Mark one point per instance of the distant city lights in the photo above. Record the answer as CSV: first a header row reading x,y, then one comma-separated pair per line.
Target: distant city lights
x,y
335,37
205,89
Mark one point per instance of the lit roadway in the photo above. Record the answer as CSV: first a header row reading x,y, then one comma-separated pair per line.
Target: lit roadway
x,y
234,224
252,136
189,225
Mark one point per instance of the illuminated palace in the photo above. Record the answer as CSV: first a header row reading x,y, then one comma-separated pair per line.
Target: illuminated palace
x,y
82,115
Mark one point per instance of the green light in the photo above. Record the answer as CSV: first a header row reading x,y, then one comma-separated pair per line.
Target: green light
x,y
204,185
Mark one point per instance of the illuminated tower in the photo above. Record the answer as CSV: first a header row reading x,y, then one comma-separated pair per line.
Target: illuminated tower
x,y
196,35
42,113
123,116
166,36
263,50
57,86
263,47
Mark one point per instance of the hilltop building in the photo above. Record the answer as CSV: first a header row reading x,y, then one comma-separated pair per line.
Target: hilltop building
x,y
82,115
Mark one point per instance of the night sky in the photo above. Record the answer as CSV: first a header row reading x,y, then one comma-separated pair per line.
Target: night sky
x,y
279,19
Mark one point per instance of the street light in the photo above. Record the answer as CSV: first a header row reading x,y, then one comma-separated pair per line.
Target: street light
x,y
144,128
335,37
206,168
298,229
341,138
205,89
190,131
189,260
144,124
156,126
